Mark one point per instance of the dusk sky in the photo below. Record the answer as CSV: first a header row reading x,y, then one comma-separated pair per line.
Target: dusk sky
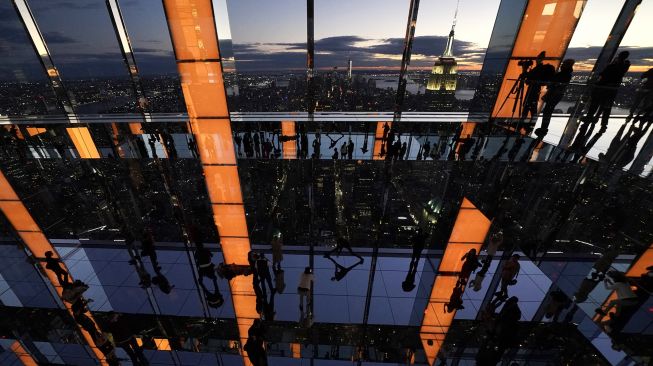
x,y
271,35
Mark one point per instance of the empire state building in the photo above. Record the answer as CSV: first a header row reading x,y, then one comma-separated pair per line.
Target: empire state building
x,y
444,73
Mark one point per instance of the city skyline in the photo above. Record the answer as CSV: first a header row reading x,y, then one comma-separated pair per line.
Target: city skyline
x,y
262,38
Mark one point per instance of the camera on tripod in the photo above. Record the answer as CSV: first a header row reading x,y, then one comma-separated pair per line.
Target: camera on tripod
x,y
525,63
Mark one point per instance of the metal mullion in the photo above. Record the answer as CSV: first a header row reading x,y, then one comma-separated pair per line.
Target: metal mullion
x,y
405,59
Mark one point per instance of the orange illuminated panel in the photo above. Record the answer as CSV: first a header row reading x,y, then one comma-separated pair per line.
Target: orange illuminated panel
x,y
636,269
20,219
195,42
162,344
192,29
24,356
639,267
546,26
214,141
235,250
203,89
135,128
38,244
378,140
83,142
468,129
290,146
295,348
223,183
33,131
230,220
469,232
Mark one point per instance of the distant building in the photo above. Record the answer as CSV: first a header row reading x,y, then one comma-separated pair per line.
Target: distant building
x,y
441,86
349,66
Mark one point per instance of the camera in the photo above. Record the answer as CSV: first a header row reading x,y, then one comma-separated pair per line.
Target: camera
x,y
525,63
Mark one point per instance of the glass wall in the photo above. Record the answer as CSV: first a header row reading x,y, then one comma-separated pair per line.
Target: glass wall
x,y
150,40
24,86
87,54
269,45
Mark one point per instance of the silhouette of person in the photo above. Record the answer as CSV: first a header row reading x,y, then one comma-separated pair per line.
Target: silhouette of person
x,y
247,141
418,242
239,142
494,243
306,281
618,282
263,272
340,270
317,145
304,145
534,79
477,282
151,141
557,303
605,89
554,94
335,154
402,151
148,249
257,145
124,338
509,273
350,150
396,149
426,149
267,149
343,150
79,310
277,250
254,345
54,265
507,321
643,103
470,265
455,300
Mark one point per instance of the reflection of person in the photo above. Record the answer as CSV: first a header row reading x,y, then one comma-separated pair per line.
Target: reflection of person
x,y
509,273
124,338
605,89
456,300
340,270
469,265
535,78
54,265
643,103
306,281
263,272
554,94
618,282
277,250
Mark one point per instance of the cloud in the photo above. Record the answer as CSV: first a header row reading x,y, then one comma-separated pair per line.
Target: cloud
x,y
57,37
364,52
586,56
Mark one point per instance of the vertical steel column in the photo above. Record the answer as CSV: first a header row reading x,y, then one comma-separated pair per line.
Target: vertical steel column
x,y
607,54
405,59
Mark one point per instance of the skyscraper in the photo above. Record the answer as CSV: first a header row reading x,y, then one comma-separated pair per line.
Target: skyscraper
x,y
349,66
444,73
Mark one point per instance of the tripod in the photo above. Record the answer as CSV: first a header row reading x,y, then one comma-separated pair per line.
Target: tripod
x,y
517,89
